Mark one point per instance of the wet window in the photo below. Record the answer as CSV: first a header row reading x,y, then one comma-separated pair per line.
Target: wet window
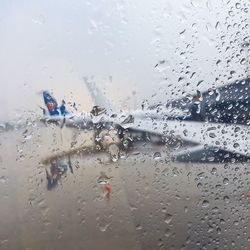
x,y
125,124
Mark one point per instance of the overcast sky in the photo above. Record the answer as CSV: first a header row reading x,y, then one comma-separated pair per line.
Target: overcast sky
x,y
54,44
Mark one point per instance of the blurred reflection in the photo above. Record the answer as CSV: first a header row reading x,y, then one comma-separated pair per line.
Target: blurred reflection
x,y
54,173
57,169
104,180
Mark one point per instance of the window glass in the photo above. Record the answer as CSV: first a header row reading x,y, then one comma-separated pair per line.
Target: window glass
x,y
124,124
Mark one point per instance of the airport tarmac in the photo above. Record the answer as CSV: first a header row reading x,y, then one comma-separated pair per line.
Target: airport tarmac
x,y
155,203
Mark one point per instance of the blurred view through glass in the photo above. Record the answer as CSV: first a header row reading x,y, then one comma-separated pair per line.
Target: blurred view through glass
x,y
125,124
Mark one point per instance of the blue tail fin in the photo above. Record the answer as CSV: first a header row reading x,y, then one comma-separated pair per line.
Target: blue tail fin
x,y
50,103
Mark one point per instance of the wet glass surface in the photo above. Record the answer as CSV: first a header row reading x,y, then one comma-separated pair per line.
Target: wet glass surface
x,y
124,125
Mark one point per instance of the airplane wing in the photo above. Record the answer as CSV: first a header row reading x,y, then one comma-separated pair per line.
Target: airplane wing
x,y
98,97
226,104
230,138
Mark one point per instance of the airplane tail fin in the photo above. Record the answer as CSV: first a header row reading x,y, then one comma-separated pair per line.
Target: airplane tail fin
x,y
97,96
50,103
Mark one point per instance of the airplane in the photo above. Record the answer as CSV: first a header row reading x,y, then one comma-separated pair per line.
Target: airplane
x,y
209,126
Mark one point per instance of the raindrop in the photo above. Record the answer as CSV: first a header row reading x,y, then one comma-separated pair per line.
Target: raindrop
x,y
210,91
129,119
212,135
167,232
237,129
175,171
201,175
104,227
168,218
185,132
157,156
226,199
114,152
205,203
225,181
243,61
218,63
232,72
182,32
185,209
199,185
199,83
214,171
211,158
217,25
237,5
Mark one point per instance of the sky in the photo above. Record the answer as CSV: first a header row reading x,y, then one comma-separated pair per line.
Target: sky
x,y
52,45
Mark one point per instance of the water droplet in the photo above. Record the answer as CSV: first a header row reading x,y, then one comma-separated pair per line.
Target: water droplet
x,y
201,175
214,171
218,63
114,152
211,158
175,171
225,181
212,135
226,199
237,129
237,5
243,61
167,232
103,227
205,203
168,218
157,155
182,32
